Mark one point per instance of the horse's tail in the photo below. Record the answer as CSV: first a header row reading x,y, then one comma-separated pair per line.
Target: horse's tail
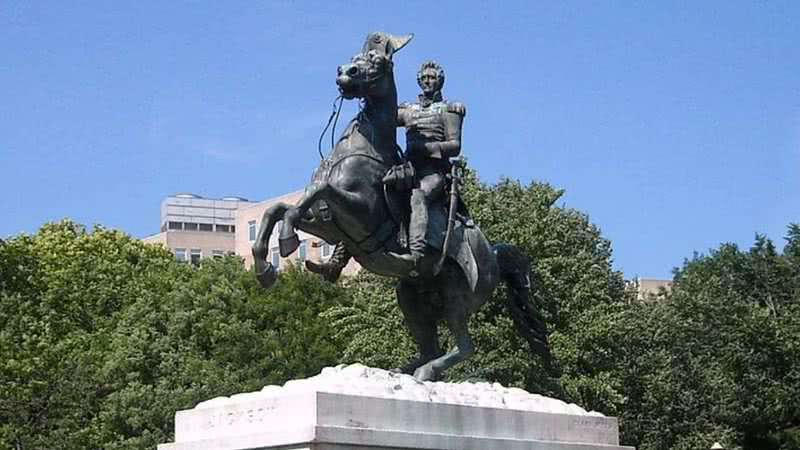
x,y
515,271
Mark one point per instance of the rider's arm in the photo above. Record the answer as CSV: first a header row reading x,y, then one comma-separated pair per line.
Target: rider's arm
x,y
450,147
403,112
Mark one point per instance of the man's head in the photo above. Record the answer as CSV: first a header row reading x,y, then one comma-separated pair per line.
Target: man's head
x,y
430,77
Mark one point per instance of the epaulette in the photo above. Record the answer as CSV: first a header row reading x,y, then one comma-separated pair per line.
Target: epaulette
x,y
457,107
404,105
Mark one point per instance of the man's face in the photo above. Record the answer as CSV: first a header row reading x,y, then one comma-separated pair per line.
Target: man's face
x,y
429,81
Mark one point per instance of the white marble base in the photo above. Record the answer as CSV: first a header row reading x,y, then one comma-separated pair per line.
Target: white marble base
x,y
307,415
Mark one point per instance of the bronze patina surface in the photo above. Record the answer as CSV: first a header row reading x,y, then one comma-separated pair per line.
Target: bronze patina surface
x,y
389,210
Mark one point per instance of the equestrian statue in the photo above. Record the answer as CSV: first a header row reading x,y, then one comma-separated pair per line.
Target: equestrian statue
x,y
398,214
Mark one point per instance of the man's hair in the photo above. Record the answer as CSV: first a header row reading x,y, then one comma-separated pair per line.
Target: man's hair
x,y
431,64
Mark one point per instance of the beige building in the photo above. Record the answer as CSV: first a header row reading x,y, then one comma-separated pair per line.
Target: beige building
x,y
193,227
649,288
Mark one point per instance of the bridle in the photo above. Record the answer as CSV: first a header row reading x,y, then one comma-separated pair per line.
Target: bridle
x,y
362,91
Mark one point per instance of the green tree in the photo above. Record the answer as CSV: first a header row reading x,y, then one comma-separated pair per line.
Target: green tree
x,y
103,338
61,291
718,359
574,285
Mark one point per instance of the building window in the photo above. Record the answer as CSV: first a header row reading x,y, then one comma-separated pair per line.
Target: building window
x,y
188,226
217,253
206,227
233,228
276,257
223,229
302,251
251,230
175,225
180,254
196,254
327,250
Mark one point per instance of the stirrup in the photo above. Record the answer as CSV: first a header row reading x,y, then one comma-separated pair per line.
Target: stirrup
x,y
409,258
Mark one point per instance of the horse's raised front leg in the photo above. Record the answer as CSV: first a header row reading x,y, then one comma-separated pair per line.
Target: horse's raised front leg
x,y
336,197
288,240
265,271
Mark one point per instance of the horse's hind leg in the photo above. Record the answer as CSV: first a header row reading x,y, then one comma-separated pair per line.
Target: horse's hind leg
x,y
421,322
456,316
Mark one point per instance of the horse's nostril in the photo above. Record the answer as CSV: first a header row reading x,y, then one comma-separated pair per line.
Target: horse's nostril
x,y
339,70
352,71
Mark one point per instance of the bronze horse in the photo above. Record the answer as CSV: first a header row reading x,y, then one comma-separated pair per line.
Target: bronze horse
x,y
347,202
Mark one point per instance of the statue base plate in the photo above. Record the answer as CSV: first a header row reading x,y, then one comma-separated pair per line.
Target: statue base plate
x,y
309,416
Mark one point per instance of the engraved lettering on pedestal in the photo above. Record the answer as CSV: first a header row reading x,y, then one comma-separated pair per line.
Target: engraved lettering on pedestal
x,y
356,424
597,424
230,418
215,420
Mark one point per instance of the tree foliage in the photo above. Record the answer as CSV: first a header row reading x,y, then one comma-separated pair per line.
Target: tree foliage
x,y
718,359
573,280
103,338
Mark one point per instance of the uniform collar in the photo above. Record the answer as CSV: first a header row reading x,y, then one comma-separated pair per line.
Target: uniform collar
x,y
425,101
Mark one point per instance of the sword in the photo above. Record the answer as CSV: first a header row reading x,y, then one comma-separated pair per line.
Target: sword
x,y
458,164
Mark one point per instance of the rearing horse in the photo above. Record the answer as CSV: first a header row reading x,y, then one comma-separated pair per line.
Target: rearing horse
x,y
347,202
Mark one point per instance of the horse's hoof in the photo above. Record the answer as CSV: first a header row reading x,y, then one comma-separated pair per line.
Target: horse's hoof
x,y
426,373
288,245
328,271
267,277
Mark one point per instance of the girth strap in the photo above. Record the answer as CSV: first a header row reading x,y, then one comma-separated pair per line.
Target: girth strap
x,y
375,241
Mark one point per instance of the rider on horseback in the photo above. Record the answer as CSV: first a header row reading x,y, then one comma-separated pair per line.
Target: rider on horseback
x,y
433,136
358,194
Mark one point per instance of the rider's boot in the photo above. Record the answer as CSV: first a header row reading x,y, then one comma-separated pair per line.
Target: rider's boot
x,y
332,268
417,229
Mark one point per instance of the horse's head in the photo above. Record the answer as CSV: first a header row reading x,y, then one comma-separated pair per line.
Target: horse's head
x,y
369,73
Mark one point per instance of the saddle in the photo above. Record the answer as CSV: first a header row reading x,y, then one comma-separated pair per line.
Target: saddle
x,y
398,183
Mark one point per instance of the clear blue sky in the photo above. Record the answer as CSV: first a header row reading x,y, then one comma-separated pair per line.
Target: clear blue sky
x,y
674,125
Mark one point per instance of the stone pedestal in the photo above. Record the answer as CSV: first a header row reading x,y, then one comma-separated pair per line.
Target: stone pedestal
x,y
368,409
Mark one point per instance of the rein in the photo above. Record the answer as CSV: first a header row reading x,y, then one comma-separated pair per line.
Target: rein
x,y
384,232
335,118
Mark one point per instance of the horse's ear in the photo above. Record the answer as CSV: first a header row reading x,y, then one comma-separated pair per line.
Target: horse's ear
x,y
385,43
398,42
